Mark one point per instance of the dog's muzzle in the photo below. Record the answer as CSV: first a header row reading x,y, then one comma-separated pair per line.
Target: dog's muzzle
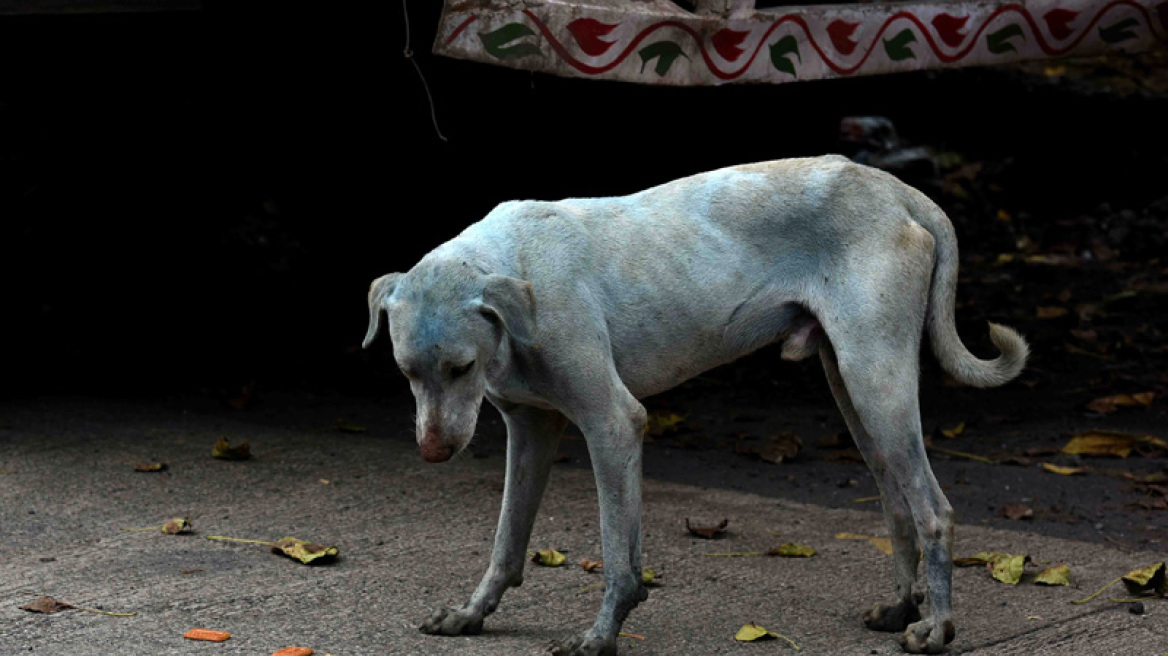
x,y
435,449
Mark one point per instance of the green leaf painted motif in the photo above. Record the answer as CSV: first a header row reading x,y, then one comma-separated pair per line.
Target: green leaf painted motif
x,y
495,43
998,42
779,51
1119,31
897,47
665,52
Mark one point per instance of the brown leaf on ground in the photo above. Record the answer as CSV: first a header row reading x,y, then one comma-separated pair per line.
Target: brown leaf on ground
x,y
1016,511
223,450
589,565
47,606
1050,312
780,448
707,532
176,526
150,467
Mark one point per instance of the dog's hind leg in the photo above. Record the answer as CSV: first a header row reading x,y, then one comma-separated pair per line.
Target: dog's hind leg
x,y
898,615
879,371
532,437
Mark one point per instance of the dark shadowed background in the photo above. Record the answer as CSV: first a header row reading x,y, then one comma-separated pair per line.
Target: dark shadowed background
x,y
197,201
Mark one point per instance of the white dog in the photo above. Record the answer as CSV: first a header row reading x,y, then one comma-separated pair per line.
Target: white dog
x,y
635,295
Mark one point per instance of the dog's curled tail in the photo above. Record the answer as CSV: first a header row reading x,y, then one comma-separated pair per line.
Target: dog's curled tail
x,y
955,358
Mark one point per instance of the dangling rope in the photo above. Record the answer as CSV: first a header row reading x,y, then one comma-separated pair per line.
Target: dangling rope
x,y
409,54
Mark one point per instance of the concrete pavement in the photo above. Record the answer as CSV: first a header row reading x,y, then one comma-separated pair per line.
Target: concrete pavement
x,y
415,536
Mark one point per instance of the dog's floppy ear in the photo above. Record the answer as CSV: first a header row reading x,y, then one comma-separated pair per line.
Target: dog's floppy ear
x,y
378,292
511,301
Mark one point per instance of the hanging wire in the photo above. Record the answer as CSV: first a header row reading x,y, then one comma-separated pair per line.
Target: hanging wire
x,y
409,54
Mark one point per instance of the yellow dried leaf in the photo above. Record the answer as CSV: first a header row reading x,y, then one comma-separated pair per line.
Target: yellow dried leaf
x,y
1050,312
1057,575
648,576
882,544
1146,580
150,467
1063,471
304,551
1009,569
663,422
955,431
751,632
549,558
1101,444
791,550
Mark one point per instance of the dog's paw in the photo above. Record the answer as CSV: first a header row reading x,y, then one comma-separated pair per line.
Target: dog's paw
x,y
896,617
927,637
584,645
451,622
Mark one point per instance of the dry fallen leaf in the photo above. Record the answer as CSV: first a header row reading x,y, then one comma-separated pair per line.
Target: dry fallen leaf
x,y
1109,404
293,651
1049,312
1063,471
591,565
1057,575
1009,569
883,544
224,451
791,550
752,632
47,606
648,576
207,635
1147,580
150,467
548,558
955,431
663,422
176,526
709,532
304,551
780,448
1016,511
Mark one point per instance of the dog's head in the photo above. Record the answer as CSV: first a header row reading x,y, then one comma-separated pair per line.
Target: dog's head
x,y
446,321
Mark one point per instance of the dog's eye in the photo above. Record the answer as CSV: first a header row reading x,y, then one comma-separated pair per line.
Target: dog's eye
x,y
458,372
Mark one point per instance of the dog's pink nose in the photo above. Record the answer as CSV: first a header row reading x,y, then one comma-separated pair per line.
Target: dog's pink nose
x,y
434,452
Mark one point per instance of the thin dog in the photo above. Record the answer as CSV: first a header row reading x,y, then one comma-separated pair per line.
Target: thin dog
x,y
639,293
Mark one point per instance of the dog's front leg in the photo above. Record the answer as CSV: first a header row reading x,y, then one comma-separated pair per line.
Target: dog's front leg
x,y
614,444
532,438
